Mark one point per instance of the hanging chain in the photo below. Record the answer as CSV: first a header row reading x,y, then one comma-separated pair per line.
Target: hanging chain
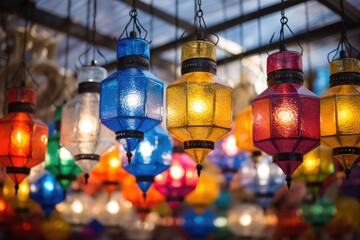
x,y
176,36
344,48
92,43
136,27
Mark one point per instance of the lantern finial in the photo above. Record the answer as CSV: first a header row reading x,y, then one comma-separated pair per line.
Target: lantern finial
x,y
198,168
347,173
288,181
16,189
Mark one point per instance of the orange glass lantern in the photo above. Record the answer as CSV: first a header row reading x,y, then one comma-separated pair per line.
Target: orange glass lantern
x,y
206,192
286,115
316,168
23,137
340,108
109,170
133,193
199,104
243,130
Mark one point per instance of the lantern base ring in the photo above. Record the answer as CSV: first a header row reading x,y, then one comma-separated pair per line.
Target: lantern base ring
x,y
107,183
133,62
279,157
89,87
21,107
129,134
145,179
346,150
19,170
345,78
94,157
174,198
198,144
198,65
65,177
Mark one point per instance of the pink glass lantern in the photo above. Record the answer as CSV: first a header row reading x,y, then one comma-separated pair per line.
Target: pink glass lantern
x,y
179,180
286,116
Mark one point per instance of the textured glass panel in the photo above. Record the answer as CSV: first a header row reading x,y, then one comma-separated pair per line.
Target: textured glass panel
x,y
154,100
261,119
284,119
200,104
108,103
39,144
176,112
348,113
223,107
309,117
327,116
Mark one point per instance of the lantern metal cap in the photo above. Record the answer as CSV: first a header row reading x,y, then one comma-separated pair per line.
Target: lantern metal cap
x,y
284,60
91,74
341,65
198,49
133,47
21,95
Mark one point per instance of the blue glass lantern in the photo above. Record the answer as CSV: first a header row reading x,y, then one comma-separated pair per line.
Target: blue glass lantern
x,y
47,192
262,178
199,225
131,99
227,157
151,157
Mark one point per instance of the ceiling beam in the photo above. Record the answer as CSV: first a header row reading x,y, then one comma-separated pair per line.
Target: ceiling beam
x,y
159,13
55,22
352,13
312,35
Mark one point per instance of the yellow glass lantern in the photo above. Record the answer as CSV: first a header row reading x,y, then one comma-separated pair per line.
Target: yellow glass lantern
x,y
206,192
317,166
339,111
199,104
243,130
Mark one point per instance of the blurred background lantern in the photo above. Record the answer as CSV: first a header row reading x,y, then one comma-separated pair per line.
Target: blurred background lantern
x,y
82,134
339,111
286,115
55,228
178,181
194,115
142,229
316,168
47,193
318,213
7,216
109,170
27,229
206,192
113,211
152,156
243,130
59,160
246,220
23,136
227,157
351,187
134,194
76,209
263,178
198,225
138,94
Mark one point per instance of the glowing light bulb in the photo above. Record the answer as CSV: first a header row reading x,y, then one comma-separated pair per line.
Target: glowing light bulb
x,y
49,186
220,222
245,220
263,171
311,164
64,154
199,219
145,149
24,188
114,162
285,116
112,207
198,106
77,207
176,172
87,124
229,145
344,114
132,100
2,205
20,139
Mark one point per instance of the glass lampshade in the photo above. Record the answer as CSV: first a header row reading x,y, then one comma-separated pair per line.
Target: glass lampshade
x,y
143,205
198,225
56,225
152,156
243,130
247,220
76,209
81,133
178,181
131,99
290,224
351,187
262,178
286,115
339,111
23,137
58,160
109,170
227,157
199,104
316,168
26,228
47,193
7,213
206,192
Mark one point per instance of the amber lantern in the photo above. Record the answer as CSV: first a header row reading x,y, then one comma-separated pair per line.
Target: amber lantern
x,y
199,104
243,130
23,137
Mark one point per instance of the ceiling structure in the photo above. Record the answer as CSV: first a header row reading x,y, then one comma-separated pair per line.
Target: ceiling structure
x,y
244,27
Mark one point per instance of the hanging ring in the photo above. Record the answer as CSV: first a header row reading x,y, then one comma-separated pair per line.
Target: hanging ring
x,y
283,20
133,13
200,13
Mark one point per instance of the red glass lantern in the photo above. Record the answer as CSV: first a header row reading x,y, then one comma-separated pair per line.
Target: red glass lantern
x,y
286,115
178,181
23,137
